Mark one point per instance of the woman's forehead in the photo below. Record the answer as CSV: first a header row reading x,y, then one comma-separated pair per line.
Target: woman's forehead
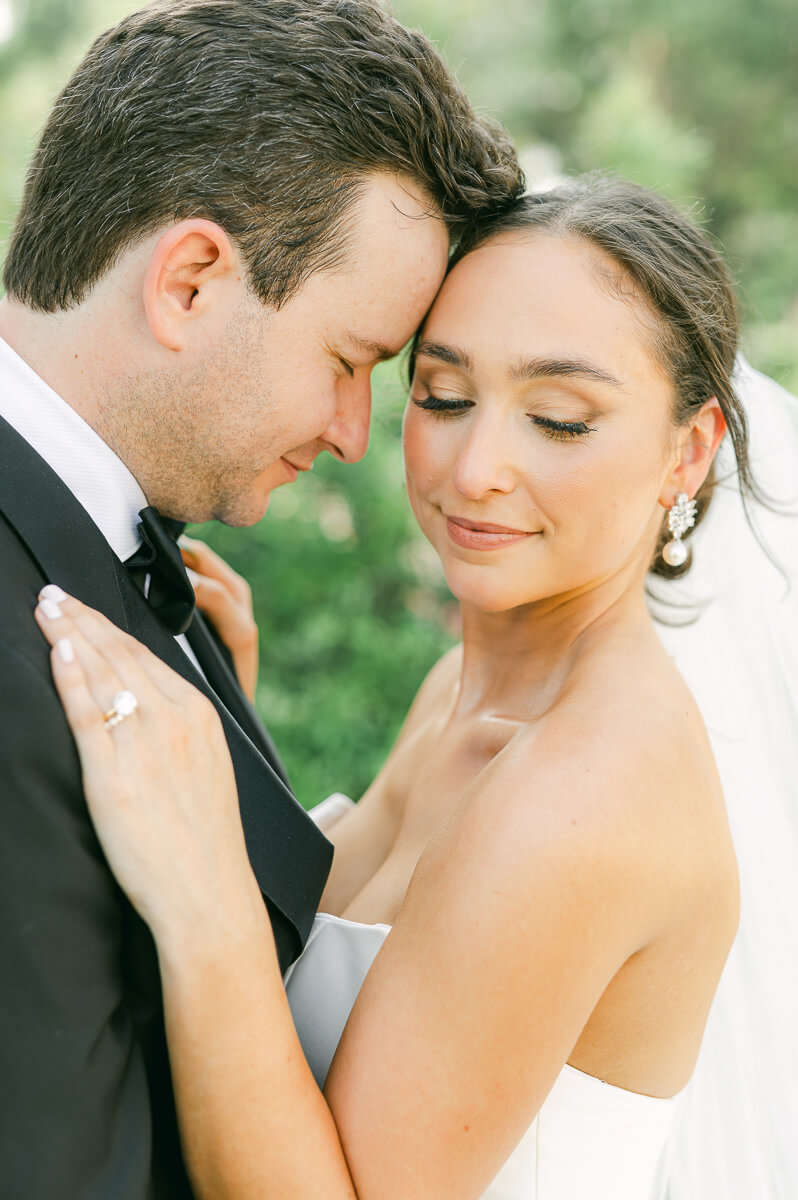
x,y
527,294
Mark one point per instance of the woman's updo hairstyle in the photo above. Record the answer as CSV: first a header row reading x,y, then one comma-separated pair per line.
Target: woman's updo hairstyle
x,y
675,267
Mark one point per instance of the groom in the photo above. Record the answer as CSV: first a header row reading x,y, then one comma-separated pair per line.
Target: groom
x,y
236,209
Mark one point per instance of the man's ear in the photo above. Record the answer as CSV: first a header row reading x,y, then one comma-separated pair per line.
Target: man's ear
x,y
189,268
696,448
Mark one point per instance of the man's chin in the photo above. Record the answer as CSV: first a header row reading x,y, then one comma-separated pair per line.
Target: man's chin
x,y
243,514
239,505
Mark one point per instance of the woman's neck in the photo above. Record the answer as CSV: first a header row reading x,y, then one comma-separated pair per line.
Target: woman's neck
x,y
517,662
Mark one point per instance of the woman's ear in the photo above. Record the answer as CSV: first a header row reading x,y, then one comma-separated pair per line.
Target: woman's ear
x,y
697,446
188,271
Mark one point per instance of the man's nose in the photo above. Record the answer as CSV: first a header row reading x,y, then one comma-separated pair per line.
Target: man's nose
x,y
485,463
347,435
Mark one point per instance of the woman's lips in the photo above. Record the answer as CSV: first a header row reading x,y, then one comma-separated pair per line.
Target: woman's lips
x,y
481,535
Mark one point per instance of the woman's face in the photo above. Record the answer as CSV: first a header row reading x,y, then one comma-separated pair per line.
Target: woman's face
x,y
537,433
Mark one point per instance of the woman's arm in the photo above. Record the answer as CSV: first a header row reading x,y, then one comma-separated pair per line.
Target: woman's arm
x,y
253,1121
515,922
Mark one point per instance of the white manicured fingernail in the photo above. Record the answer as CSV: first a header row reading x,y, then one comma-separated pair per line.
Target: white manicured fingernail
x,y
66,651
50,609
194,577
53,592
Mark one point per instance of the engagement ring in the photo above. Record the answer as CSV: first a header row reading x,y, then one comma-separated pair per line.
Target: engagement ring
x,y
123,705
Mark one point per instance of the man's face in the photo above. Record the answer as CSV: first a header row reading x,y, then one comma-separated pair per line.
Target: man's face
x,y
272,389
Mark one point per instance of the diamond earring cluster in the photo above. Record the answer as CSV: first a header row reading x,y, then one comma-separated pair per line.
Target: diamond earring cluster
x,y
681,517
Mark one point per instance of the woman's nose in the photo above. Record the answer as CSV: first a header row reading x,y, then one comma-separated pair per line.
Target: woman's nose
x,y
485,462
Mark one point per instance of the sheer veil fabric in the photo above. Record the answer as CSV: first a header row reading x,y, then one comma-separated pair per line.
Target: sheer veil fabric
x,y
734,1137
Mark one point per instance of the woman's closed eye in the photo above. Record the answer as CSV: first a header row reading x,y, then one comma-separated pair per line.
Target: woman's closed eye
x,y
559,430
437,404
562,430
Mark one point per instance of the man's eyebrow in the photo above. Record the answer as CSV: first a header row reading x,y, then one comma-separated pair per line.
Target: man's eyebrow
x,y
550,368
447,354
374,349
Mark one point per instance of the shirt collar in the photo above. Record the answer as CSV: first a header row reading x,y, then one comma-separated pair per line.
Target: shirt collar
x,y
88,466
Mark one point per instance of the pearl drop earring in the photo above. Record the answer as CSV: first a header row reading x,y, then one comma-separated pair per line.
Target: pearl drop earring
x,y
681,517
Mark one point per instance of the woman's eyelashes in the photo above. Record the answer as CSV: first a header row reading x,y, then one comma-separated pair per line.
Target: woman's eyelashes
x,y
437,404
562,429
559,430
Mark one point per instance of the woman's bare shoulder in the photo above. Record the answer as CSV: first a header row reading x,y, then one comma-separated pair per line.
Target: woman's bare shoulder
x,y
622,764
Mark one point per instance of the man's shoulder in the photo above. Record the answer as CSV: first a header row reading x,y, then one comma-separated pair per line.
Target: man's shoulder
x,y
18,561
22,647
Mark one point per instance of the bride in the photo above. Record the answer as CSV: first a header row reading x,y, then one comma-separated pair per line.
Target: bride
x,y
530,909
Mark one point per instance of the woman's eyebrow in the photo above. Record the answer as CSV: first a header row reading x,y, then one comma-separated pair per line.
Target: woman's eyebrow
x,y
524,369
549,368
447,354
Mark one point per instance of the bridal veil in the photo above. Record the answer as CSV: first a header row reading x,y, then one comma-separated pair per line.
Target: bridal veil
x,y
735,1137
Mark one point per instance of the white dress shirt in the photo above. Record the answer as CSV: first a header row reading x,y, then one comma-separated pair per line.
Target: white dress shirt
x,y
88,466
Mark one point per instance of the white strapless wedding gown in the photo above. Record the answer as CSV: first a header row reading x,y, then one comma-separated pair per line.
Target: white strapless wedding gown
x,y
590,1140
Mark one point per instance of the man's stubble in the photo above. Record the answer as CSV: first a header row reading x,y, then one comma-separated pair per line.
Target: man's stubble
x,y
197,436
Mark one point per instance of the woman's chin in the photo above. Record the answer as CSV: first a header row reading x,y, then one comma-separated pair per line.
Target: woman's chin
x,y
494,582
490,597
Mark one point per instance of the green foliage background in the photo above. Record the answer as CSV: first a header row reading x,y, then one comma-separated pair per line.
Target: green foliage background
x,y
696,97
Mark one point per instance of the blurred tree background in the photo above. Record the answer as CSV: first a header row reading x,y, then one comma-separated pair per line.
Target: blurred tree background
x,y
698,98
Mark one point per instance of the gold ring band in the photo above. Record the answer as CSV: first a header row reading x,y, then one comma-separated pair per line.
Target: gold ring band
x,y
123,705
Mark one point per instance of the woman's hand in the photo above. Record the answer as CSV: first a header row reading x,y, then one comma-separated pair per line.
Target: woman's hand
x,y
226,600
161,792
159,785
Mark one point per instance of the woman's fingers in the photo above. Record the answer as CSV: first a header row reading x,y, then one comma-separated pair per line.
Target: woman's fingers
x,y
215,599
206,562
232,619
234,624
159,783
80,705
100,674
129,661
87,686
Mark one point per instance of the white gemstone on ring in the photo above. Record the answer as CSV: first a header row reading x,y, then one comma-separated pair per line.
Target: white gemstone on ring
x,y
124,703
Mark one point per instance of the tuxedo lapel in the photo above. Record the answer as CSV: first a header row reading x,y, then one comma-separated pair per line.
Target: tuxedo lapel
x,y
222,678
290,857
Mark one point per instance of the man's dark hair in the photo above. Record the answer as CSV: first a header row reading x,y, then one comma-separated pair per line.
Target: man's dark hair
x,y
265,116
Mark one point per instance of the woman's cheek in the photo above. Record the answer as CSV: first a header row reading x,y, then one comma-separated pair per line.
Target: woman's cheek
x,y
562,485
425,455
618,489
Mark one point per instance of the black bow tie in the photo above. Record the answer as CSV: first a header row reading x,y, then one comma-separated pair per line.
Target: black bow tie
x,y
170,592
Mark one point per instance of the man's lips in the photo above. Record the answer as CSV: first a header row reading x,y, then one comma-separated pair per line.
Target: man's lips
x,y
483,535
296,467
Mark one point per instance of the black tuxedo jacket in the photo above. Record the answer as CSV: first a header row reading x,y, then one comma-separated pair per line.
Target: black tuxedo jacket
x,y
86,1107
